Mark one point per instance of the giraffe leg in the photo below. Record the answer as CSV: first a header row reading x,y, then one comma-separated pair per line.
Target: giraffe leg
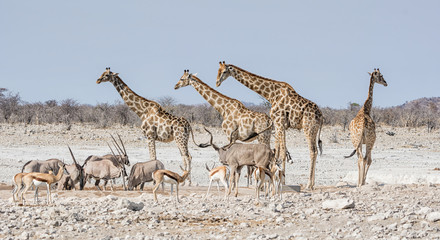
x,y
183,148
152,148
367,163
360,170
280,135
370,140
360,165
311,139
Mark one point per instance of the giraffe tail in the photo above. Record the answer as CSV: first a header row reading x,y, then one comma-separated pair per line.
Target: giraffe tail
x,y
254,134
202,145
351,155
319,137
354,151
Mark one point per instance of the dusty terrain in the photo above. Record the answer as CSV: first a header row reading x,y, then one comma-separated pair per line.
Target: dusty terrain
x,y
399,201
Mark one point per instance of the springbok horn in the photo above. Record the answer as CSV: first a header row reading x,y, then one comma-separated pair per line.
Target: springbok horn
x,y
207,168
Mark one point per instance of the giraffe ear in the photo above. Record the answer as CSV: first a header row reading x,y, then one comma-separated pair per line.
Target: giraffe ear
x,y
369,73
116,74
194,74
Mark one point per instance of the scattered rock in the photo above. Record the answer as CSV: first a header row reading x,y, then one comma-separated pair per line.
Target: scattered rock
x,y
343,203
379,216
125,203
433,217
244,225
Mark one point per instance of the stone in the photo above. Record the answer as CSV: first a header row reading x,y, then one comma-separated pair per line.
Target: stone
x,y
433,217
379,216
125,203
342,184
112,197
244,225
272,236
343,203
24,235
279,220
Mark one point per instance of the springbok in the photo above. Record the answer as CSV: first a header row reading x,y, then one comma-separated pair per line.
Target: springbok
x,y
262,175
39,179
167,176
279,177
218,174
17,180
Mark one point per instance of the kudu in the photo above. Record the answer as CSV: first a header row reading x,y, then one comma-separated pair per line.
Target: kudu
x,y
237,155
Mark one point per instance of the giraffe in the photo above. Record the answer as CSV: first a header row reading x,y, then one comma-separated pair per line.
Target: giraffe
x,y
249,124
363,130
157,124
234,113
289,110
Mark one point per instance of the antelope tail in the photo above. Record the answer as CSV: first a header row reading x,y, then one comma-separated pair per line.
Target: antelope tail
x,y
22,169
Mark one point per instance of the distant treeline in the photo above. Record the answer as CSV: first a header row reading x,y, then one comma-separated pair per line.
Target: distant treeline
x,y
422,112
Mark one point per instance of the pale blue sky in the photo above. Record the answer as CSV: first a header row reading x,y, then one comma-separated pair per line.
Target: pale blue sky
x,y
324,49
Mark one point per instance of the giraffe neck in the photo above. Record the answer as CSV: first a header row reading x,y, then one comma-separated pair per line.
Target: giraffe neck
x,y
136,103
265,87
369,102
216,99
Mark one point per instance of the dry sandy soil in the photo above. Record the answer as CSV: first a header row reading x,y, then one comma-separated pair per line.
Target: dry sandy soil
x,y
400,200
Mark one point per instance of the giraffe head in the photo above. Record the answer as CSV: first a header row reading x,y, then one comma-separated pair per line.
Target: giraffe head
x,y
223,73
185,80
378,77
106,76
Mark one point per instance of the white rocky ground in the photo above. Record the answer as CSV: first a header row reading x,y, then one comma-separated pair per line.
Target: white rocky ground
x,y
400,200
